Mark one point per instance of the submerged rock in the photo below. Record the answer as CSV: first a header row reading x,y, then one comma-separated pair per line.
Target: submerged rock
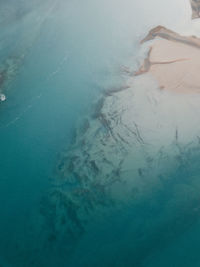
x,y
195,4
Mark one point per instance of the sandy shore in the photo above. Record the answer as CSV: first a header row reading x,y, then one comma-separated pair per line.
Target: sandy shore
x,y
173,60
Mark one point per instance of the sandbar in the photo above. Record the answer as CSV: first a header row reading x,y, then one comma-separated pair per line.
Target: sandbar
x,y
173,60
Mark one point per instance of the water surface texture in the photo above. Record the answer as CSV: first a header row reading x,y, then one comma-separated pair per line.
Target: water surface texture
x,y
58,60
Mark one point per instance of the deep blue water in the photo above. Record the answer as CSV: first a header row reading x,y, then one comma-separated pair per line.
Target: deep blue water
x,y
73,50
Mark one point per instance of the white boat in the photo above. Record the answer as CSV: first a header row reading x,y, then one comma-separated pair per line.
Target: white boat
x,y
2,97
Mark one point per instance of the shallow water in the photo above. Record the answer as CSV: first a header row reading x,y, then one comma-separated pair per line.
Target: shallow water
x,y
65,53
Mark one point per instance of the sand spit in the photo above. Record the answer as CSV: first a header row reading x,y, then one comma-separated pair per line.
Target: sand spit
x,y
170,35
173,60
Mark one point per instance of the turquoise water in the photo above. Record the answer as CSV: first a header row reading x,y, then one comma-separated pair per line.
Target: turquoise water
x,y
53,86
66,53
